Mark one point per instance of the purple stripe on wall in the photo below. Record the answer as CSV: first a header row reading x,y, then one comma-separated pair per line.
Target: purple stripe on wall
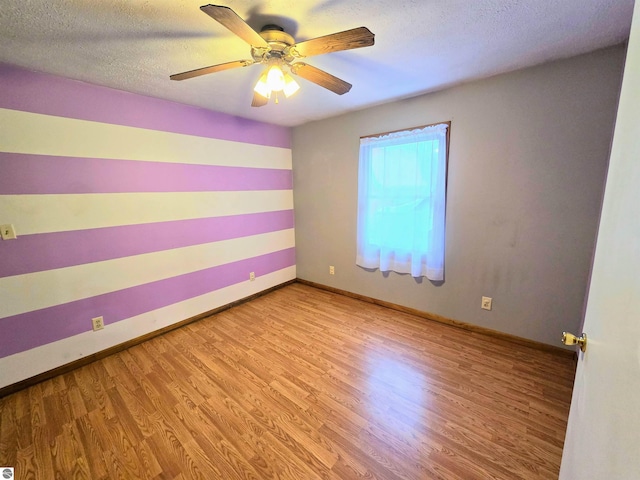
x,y
33,329
53,95
46,251
45,174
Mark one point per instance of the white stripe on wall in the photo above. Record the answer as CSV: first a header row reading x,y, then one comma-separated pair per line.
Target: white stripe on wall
x,y
24,132
33,291
32,362
59,213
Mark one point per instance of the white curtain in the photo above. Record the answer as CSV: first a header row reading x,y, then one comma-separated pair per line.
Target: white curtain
x,y
401,202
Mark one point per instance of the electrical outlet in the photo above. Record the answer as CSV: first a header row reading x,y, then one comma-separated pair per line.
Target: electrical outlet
x,y
332,270
252,276
8,232
98,323
486,303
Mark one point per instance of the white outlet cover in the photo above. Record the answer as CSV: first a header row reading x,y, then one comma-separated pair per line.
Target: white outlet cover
x,y
486,303
98,323
8,232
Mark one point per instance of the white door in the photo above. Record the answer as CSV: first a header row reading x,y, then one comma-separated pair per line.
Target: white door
x,y
603,435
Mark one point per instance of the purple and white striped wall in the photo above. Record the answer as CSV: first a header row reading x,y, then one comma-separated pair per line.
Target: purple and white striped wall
x,y
143,211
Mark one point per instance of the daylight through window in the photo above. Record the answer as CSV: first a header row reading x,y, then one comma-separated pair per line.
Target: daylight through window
x,y
401,201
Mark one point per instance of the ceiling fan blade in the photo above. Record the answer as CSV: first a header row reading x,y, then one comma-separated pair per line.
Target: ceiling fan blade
x,y
259,100
231,20
347,40
212,69
320,77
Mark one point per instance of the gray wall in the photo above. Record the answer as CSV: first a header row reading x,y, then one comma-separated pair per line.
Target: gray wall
x,y
527,163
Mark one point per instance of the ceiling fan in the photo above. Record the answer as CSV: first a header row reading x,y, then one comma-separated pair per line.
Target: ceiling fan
x,y
273,47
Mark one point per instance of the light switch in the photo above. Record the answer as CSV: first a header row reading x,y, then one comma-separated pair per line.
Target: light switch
x,y
8,232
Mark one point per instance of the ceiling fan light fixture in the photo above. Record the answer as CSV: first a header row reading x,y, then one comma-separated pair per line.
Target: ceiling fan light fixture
x,y
275,78
262,87
290,85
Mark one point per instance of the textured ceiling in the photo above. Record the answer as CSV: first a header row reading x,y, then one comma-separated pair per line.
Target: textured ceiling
x,y
420,45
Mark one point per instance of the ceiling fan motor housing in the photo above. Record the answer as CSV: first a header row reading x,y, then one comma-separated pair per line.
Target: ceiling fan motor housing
x,y
279,45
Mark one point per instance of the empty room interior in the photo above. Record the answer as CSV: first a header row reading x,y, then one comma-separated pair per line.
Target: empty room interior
x,y
218,259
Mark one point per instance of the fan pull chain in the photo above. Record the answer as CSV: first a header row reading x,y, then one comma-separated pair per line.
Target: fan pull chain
x,y
277,102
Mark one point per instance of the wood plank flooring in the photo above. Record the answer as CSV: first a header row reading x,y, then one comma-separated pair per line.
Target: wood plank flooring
x,y
298,384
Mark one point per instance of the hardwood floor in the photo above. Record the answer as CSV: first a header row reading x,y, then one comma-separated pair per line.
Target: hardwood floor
x,y
298,384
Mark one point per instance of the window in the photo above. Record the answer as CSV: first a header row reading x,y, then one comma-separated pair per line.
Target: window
x,y
401,201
